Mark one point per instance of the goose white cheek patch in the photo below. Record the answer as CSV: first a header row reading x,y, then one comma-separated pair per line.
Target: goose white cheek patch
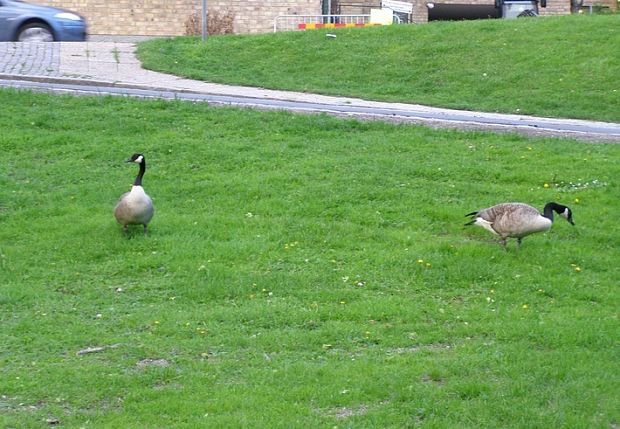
x,y
138,160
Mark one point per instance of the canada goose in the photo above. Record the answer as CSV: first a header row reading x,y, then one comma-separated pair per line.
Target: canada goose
x,y
517,219
135,207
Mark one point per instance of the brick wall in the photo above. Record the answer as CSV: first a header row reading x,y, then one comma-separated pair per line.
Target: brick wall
x,y
168,17
555,7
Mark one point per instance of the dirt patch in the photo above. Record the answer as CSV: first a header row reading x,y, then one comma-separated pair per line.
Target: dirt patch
x,y
144,363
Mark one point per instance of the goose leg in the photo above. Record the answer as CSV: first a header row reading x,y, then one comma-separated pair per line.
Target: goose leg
x,y
503,241
519,243
145,229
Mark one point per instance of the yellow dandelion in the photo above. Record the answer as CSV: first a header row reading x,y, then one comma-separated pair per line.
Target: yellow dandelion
x,y
578,269
576,200
524,306
420,261
546,185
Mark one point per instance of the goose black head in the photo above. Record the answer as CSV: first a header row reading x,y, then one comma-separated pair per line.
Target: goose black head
x,y
138,158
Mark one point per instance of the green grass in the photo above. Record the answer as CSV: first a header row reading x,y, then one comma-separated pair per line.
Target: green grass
x,y
557,67
300,271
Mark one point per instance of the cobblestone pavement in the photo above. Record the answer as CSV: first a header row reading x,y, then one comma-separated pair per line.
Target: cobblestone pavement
x,y
37,59
105,60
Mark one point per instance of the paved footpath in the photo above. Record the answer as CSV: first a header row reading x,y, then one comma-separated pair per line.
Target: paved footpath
x,y
116,63
113,63
30,59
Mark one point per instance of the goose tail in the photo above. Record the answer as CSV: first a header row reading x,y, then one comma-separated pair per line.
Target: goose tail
x,y
473,219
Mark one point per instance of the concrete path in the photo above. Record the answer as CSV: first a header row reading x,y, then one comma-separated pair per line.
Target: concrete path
x,y
114,64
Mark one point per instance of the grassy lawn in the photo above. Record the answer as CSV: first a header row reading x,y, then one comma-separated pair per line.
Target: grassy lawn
x,y
301,271
557,67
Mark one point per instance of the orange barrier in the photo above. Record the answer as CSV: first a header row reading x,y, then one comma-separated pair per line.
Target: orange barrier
x,y
332,25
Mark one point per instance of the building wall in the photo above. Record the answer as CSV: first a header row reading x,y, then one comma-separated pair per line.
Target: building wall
x,y
168,17
555,7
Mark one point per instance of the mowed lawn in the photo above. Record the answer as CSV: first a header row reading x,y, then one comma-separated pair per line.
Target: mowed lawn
x,y
300,271
565,66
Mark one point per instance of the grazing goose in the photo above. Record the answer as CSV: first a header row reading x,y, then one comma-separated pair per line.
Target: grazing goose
x,y
517,219
135,207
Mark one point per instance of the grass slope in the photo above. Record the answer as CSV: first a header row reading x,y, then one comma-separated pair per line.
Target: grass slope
x,y
301,271
562,66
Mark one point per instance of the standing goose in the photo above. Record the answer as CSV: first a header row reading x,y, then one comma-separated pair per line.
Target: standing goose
x,y
135,207
518,220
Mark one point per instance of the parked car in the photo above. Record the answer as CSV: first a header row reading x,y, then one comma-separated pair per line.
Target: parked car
x,y
25,22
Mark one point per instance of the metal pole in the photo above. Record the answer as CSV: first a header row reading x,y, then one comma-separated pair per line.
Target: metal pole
x,y
204,20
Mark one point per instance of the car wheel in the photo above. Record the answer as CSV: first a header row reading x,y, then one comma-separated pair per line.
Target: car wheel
x,y
35,32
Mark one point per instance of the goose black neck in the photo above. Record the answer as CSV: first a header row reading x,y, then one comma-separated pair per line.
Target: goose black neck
x,y
550,208
138,181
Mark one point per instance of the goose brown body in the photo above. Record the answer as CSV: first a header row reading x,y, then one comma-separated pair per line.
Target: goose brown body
x,y
135,207
517,220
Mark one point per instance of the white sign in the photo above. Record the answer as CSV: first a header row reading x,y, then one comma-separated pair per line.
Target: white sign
x,y
397,6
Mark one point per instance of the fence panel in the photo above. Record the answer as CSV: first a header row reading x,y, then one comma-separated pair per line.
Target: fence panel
x,y
306,22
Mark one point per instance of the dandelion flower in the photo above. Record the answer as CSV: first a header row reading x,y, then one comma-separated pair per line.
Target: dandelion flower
x,y
546,185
